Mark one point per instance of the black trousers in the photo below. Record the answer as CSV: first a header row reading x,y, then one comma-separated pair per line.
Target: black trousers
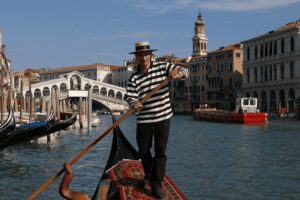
x,y
155,167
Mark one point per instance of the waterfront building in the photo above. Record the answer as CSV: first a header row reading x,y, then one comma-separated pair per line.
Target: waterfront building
x,y
271,67
121,75
225,72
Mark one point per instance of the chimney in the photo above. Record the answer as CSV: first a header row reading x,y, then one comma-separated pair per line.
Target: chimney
x,y
173,55
125,63
189,58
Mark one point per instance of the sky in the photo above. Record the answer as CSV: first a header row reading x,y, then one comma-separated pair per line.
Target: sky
x,y
65,33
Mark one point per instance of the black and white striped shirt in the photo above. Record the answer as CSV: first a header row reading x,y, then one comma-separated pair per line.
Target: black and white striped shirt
x,y
157,107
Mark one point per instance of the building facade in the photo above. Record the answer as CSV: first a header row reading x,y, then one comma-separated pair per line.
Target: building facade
x,y
225,72
272,67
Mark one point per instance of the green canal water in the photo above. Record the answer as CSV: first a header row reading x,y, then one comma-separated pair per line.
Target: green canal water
x,y
206,160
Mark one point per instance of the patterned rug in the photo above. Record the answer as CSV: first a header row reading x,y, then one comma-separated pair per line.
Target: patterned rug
x,y
127,173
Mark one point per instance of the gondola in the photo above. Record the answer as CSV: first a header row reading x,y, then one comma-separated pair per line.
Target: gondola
x,y
121,152
8,128
120,149
30,130
57,126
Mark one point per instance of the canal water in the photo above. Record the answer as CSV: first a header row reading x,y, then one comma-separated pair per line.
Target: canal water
x,y
206,160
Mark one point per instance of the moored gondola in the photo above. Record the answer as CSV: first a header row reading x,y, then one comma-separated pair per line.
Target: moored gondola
x,y
8,128
57,126
28,131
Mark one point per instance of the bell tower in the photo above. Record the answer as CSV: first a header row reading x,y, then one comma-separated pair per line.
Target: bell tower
x,y
199,39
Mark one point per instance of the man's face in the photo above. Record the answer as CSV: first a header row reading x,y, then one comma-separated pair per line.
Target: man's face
x,y
144,57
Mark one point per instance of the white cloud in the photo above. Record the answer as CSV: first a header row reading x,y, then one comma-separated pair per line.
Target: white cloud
x,y
229,5
133,35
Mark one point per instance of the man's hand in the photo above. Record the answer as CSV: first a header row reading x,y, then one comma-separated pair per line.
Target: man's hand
x,y
176,73
137,105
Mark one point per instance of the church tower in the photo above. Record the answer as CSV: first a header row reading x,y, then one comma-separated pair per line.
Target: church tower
x,y
199,40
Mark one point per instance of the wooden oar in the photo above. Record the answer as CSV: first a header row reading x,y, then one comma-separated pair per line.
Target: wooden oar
x,y
112,127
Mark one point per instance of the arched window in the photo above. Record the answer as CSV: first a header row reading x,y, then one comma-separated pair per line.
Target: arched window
x,y
255,74
204,46
292,69
275,48
275,71
292,43
266,50
255,52
270,72
262,51
248,76
270,49
282,71
248,54
201,46
282,46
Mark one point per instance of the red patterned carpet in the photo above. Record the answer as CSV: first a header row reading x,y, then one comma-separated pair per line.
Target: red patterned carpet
x,y
128,173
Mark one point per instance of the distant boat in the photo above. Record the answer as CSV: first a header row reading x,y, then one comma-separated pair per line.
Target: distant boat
x,y
8,128
28,131
246,111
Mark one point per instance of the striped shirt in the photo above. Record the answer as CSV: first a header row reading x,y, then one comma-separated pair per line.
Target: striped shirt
x,y
157,107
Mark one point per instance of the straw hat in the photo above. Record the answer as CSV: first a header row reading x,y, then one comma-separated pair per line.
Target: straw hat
x,y
142,46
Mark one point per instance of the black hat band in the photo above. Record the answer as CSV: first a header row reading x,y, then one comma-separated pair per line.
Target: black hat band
x,y
139,48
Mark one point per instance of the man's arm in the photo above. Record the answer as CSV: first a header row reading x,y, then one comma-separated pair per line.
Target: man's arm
x,y
132,96
183,74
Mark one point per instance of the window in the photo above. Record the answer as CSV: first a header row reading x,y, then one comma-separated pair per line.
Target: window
x,y
203,97
230,66
245,102
270,72
198,67
221,83
255,52
275,48
218,67
230,82
292,43
270,49
248,54
222,67
190,88
248,76
255,74
230,55
202,88
202,67
190,78
206,77
275,72
282,46
198,78
261,73
237,55
266,73
202,77
206,67
292,69
262,51
186,89
174,95
282,71
217,57
252,102
266,50
198,88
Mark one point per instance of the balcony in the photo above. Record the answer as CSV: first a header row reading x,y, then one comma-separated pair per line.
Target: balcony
x,y
194,71
194,91
272,83
179,86
213,89
179,98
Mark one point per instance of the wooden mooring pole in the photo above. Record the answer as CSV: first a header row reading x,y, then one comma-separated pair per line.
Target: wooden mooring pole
x,y
57,95
2,95
80,112
21,105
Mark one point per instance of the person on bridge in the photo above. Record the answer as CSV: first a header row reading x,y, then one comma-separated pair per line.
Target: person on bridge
x,y
153,117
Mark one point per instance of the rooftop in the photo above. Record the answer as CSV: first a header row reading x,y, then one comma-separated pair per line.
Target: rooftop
x,y
237,46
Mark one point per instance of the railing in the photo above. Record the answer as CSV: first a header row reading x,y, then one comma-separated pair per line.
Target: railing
x,y
213,89
273,57
279,82
194,81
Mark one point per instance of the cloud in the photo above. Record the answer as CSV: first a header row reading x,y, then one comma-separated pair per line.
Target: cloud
x,y
229,5
133,35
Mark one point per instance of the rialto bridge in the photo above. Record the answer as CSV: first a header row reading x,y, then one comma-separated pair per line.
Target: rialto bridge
x,y
105,95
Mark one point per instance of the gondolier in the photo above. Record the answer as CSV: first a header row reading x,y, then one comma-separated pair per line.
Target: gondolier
x,y
153,117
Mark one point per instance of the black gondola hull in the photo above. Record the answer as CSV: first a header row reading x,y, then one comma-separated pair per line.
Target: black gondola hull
x,y
8,128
